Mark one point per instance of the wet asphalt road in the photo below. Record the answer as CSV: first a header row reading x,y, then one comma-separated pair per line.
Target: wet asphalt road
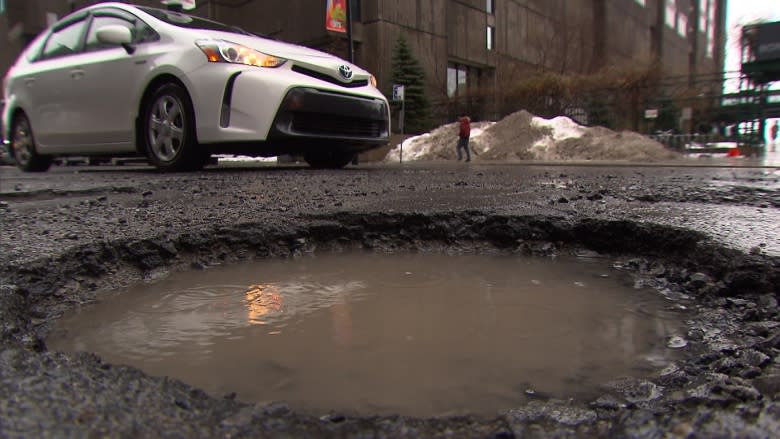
x,y
740,206
95,216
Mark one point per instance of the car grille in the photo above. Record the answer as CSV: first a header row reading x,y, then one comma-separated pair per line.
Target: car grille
x,y
328,78
327,125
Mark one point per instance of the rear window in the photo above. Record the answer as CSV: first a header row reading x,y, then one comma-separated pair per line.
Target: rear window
x,y
191,22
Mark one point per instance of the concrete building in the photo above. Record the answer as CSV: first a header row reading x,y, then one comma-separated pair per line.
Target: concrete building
x,y
465,45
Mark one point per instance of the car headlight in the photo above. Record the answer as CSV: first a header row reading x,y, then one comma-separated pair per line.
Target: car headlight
x,y
225,51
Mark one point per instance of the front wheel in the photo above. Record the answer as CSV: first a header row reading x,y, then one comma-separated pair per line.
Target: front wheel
x,y
329,159
168,130
23,147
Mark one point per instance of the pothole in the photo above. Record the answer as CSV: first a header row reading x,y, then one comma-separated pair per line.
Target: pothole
x,y
420,334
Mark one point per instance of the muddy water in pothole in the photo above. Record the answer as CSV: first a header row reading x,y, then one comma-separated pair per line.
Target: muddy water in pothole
x,y
415,334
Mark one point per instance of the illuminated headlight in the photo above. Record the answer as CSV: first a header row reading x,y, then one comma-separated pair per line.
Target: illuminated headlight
x,y
372,80
225,51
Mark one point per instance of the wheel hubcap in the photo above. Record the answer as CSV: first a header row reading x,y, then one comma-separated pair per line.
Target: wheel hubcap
x,y
22,143
166,127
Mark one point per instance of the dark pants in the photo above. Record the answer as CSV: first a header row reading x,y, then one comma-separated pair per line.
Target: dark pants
x,y
463,142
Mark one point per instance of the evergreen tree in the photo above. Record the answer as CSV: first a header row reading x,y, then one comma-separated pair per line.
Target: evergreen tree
x,y
408,72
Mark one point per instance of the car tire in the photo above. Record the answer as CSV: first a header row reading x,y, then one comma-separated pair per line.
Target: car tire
x,y
23,147
168,130
329,159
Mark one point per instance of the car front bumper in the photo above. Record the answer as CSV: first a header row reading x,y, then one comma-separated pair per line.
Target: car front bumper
x,y
280,111
311,113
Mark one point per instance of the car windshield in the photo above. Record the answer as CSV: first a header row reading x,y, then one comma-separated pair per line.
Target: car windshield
x,y
191,22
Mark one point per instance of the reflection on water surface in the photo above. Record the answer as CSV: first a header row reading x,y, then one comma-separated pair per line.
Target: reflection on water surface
x,y
417,334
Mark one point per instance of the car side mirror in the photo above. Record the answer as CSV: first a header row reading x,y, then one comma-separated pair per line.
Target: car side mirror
x,y
116,34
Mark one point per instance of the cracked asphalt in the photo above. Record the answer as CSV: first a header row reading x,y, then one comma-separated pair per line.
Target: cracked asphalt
x,y
710,232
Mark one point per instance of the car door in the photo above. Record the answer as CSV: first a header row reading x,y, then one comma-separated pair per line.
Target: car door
x,y
46,83
107,81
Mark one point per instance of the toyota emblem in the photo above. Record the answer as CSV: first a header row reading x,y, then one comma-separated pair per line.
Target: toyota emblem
x,y
345,71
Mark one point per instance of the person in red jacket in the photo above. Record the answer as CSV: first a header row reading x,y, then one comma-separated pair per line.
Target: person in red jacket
x,y
463,137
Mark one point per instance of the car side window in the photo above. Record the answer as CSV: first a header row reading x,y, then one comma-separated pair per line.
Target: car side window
x,y
33,51
64,41
144,33
99,21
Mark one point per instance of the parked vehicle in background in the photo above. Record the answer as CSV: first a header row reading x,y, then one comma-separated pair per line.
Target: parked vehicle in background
x,y
5,156
115,79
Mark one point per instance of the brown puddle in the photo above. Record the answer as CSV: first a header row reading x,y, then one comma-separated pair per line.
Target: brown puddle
x,y
414,334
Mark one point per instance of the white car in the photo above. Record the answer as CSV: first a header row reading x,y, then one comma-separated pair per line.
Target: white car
x,y
116,79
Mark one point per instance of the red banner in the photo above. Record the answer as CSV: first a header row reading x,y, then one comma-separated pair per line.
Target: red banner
x,y
336,15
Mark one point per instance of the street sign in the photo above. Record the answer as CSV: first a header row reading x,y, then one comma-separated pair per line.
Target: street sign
x,y
398,92
651,113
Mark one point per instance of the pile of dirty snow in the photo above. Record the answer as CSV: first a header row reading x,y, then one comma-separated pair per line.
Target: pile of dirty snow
x,y
438,144
523,136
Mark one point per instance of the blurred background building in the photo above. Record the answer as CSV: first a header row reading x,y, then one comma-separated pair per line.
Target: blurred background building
x,y
472,51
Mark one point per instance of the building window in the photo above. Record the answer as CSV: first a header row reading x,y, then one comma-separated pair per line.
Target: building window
x,y
490,6
703,11
463,76
2,6
491,37
452,81
711,13
682,24
457,79
671,13
710,28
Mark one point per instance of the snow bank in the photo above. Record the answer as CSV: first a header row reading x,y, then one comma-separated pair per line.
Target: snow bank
x,y
562,127
438,144
523,136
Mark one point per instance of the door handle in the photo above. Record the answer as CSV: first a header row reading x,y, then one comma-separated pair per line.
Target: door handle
x,y
77,74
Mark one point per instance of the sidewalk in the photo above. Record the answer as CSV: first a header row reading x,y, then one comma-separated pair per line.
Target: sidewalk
x,y
770,157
